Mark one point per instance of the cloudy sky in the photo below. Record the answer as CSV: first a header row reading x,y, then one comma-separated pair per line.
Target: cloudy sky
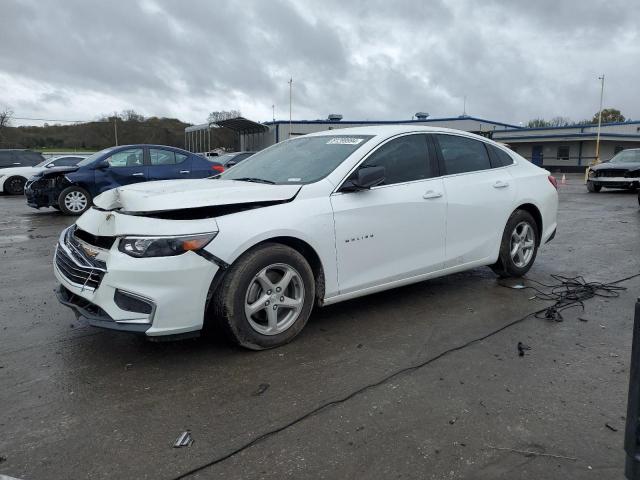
x,y
373,59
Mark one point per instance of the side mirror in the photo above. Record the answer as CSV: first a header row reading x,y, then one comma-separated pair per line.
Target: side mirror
x,y
49,165
231,163
103,165
364,179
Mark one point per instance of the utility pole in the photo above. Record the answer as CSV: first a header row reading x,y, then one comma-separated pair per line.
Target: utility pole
x,y
115,128
597,159
290,96
273,111
464,107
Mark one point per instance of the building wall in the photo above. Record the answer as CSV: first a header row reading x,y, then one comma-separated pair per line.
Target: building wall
x,y
576,157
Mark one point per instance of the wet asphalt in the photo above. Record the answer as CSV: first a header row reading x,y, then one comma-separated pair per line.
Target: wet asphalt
x,y
78,402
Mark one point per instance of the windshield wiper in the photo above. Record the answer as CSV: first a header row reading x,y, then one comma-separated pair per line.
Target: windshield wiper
x,y
254,180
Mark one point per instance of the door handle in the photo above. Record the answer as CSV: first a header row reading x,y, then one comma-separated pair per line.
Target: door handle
x,y
138,174
185,171
431,194
500,184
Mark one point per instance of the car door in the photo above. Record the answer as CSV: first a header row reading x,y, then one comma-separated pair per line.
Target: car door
x,y
479,199
125,166
166,164
395,230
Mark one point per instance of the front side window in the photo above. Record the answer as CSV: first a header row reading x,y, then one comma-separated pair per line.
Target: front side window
x,y
462,154
132,157
162,157
297,161
627,156
404,159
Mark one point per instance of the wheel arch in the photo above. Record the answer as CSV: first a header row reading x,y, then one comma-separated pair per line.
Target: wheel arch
x,y
534,211
302,247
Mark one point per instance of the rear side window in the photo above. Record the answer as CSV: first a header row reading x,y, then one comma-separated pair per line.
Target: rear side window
x,y
404,159
162,157
462,154
499,158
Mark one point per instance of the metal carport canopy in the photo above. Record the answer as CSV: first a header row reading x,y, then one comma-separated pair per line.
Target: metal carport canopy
x,y
242,125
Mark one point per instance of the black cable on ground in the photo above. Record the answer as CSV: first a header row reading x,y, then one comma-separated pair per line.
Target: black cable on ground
x,y
569,292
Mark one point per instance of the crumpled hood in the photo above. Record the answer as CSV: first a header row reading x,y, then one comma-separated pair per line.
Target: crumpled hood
x,y
169,195
617,166
54,171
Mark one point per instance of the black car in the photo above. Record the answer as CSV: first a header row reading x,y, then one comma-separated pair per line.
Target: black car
x,y
19,158
622,171
72,189
232,158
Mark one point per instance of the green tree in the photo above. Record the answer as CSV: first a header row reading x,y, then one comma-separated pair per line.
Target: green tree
x,y
609,115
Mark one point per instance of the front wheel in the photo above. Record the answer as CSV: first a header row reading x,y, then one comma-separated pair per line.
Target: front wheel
x,y
266,297
74,200
519,245
593,187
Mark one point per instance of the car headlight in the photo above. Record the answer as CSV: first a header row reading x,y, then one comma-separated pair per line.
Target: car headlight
x,y
164,246
592,173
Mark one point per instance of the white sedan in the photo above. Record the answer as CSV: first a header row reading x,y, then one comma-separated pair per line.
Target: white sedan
x,y
12,180
308,222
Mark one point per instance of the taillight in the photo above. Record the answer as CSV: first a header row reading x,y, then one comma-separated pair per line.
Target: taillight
x,y
553,181
217,168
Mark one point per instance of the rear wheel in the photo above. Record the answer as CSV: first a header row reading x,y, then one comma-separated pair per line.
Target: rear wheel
x,y
519,245
15,185
266,297
593,187
74,200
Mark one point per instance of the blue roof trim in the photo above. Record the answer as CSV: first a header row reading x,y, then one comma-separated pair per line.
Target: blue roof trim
x,y
392,122
587,125
577,135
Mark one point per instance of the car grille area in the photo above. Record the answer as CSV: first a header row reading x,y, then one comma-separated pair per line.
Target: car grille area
x,y
610,173
76,266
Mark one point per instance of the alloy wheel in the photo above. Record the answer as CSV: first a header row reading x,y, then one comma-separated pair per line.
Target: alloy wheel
x,y
522,244
75,201
274,299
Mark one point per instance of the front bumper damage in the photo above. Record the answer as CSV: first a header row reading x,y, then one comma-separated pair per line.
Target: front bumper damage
x,y
160,296
44,192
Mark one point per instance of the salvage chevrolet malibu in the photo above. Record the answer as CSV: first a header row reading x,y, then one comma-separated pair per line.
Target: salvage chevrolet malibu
x,y
313,220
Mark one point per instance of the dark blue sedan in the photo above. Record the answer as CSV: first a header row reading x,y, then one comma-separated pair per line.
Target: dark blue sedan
x,y
72,189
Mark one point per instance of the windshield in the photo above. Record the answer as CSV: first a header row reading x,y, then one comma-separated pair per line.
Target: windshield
x,y
627,156
90,159
42,164
297,161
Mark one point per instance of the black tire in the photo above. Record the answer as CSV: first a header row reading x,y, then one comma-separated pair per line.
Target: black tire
x,y
15,185
506,266
592,187
73,191
228,302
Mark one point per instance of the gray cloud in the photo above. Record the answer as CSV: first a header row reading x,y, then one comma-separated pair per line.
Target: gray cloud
x,y
366,59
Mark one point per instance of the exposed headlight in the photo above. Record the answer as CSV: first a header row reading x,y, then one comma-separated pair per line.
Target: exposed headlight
x,y
592,173
164,246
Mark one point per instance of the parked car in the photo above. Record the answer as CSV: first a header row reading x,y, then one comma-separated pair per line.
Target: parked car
x,y
313,220
10,158
622,171
12,180
72,189
233,158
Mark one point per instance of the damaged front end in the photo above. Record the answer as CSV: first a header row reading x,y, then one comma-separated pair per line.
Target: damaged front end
x,y
44,190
